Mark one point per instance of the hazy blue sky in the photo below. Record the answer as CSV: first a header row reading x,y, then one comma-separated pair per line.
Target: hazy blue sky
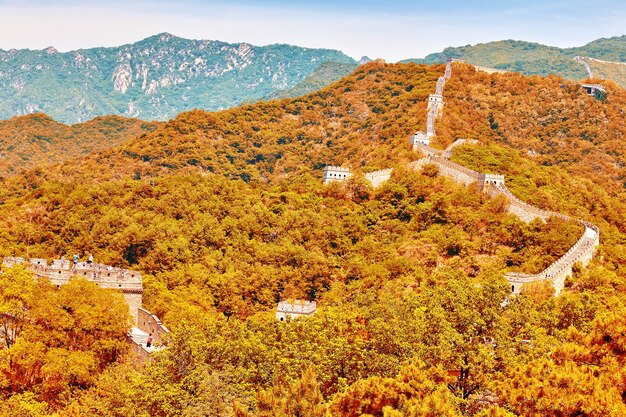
x,y
394,29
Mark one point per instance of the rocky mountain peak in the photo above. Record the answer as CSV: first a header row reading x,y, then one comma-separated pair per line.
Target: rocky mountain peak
x,y
155,78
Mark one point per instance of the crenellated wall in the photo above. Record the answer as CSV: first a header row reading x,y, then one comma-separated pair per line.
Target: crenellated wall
x,y
441,81
457,172
130,282
105,276
151,324
447,153
582,251
489,70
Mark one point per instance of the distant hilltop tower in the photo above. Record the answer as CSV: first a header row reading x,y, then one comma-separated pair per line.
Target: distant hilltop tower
x,y
332,173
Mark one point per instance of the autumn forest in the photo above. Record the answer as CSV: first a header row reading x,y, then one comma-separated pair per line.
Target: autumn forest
x,y
225,213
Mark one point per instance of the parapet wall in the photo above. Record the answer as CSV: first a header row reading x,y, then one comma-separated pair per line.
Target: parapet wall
x,y
448,151
489,70
430,122
60,273
425,149
440,83
582,251
105,276
458,173
151,324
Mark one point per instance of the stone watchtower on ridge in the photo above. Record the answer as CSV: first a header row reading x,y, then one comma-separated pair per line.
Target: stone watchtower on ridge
x,y
333,173
435,101
419,138
491,180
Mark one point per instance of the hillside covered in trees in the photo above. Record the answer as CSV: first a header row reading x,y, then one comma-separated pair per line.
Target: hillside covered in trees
x,y
226,214
533,58
36,139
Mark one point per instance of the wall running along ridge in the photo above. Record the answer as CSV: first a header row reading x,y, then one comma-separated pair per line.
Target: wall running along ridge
x,y
493,184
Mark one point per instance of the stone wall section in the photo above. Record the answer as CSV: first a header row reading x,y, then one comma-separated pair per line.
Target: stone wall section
x,y
377,178
129,282
458,173
489,70
151,324
582,251
447,153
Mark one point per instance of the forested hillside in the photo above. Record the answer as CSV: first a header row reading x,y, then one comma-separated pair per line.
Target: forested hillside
x,y
29,141
226,214
325,74
532,58
609,70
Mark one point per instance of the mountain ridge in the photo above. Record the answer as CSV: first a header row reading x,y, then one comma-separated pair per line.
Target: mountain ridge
x,y
153,79
532,58
37,139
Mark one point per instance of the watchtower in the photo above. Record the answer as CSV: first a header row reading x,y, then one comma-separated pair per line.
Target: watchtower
x,y
297,308
333,173
436,101
419,138
491,180
595,90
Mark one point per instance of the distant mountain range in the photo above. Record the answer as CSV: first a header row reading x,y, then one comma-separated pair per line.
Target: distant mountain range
x,y
153,79
534,58
163,75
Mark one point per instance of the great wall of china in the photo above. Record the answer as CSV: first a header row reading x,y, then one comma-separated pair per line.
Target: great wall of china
x,y
582,251
129,282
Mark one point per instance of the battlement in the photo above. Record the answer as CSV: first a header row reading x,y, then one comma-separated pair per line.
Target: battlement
x,y
491,180
59,273
419,138
297,308
489,70
441,82
334,173
448,151
377,178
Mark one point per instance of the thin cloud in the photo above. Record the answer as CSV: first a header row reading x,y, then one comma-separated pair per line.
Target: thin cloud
x,y
376,29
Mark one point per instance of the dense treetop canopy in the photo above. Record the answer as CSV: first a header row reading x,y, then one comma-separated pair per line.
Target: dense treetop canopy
x,y
226,214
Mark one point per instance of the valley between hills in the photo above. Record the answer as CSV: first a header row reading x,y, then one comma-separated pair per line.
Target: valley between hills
x,y
226,214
